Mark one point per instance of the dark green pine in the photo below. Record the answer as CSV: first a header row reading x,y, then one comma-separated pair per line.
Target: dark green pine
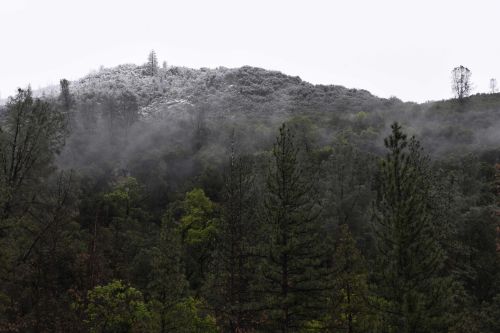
x,y
293,283
412,292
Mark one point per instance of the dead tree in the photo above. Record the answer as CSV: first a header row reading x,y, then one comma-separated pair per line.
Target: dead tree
x,y
461,82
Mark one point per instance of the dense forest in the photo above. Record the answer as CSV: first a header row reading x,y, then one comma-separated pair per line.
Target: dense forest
x,y
168,199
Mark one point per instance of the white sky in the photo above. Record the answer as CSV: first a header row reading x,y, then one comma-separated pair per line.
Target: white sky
x,y
389,47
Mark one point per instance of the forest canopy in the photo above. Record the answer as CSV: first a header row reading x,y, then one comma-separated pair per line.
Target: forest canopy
x,y
148,199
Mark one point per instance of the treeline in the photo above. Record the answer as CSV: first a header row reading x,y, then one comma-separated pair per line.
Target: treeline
x,y
467,124
296,236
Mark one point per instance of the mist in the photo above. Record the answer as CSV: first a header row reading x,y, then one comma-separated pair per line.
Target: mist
x,y
249,168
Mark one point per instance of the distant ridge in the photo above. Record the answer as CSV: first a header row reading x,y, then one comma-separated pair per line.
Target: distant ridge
x,y
266,96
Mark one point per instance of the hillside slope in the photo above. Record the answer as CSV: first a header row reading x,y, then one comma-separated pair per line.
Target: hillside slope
x,y
268,97
245,89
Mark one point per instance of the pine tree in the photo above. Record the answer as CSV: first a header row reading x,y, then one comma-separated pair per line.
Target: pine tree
x,y
411,291
234,266
347,308
168,283
152,64
65,96
292,284
346,181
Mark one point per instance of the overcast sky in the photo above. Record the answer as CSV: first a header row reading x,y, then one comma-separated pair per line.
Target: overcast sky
x,y
389,47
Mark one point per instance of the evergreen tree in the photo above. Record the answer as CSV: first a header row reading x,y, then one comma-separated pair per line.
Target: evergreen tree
x,y
168,284
65,97
128,113
347,308
152,64
346,180
198,227
410,259
32,217
125,230
229,287
31,133
292,283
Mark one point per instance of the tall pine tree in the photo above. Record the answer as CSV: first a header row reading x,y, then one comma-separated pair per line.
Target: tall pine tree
x,y
293,285
347,307
168,284
152,64
411,290
234,262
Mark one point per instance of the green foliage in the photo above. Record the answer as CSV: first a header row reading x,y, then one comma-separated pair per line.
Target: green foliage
x,y
116,308
37,236
346,187
409,255
31,132
292,276
125,228
230,285
187,316
198,228
198,222
347,309
125,197
260,249
167,285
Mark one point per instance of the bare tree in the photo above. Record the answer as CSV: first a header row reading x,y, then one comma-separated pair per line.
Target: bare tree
x,y
461,82
493,86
